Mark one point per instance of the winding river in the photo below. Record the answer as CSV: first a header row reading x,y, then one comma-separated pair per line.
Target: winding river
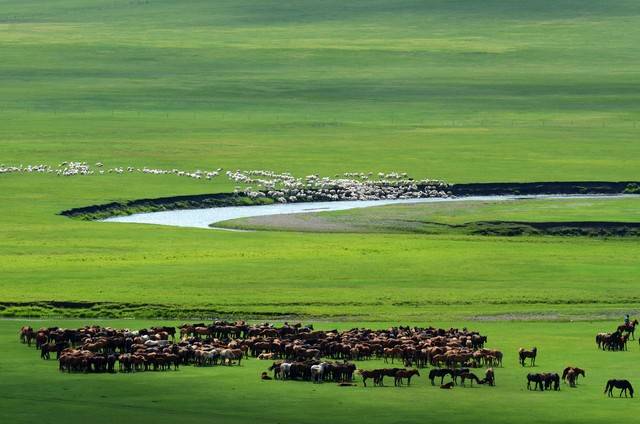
x,y
203,218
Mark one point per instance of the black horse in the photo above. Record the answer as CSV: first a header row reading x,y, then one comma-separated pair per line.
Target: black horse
x,y
623,385
470,376
489,378
439,372
551,380
457,372
538,379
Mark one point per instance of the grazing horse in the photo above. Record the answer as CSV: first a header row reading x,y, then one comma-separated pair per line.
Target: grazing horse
x,y
524,354
623,385
442,373
471,376
551,379
538,379
629,328
570,374
489,377
405,374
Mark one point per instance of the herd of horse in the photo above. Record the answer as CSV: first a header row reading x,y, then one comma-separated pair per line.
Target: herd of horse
x,y
302,353
618,339
98,349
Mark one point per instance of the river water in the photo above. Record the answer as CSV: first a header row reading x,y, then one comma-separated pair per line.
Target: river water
x,y
203,218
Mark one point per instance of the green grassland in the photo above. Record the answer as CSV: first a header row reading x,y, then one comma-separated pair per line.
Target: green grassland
x,y
33,388
464,91
418,218
459,90
454,90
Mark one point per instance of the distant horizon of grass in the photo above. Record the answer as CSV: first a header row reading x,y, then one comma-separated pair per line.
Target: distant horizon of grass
x,y
459,91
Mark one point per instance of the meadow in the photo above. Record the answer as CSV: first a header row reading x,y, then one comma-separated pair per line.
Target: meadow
x,y
33,388
463,91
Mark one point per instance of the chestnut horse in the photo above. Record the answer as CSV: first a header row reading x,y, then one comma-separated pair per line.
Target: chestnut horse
x,y
570,375
373,374
524,354
629,328
405,374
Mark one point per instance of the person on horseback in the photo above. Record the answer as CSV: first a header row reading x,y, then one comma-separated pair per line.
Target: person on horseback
x,y
626,320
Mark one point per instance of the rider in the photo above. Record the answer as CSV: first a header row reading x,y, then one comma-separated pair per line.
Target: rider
x,y
626,320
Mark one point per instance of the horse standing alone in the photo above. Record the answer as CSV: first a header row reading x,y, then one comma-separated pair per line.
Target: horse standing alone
x,y
524,354
623,385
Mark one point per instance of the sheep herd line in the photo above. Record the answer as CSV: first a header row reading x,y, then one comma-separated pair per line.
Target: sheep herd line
x,y
296,352
280,187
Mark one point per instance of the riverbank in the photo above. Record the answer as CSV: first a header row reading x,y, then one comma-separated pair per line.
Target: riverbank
x,y
214,200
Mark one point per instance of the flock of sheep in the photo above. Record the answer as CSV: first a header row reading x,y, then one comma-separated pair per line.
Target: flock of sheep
x,y
70,169
285,188
281,187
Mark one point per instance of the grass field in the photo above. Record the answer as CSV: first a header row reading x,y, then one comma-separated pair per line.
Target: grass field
x,y
463,91
33,388
458,90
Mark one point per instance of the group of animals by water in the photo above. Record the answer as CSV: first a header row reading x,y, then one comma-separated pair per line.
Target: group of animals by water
x,y
301,353
281,187
286,188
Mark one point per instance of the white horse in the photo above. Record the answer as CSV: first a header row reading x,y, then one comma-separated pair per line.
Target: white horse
x,y
285,370
156,343
317,372
229,355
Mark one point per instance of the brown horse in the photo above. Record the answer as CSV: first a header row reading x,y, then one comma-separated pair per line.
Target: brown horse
x,y
489,377
373,374
26,334
524,354
629,328
469,376
387,372
405,374
570,375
